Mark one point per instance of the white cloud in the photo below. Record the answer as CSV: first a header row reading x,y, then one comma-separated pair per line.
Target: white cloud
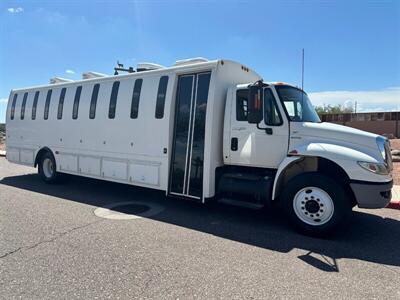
x,y
3,100
375,100
15,10
70,71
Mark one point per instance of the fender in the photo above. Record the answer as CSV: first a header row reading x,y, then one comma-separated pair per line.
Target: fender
x,y
39,153
343,156
283,165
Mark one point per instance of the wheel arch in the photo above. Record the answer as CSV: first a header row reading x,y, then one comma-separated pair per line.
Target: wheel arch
x,y
40,154
293,166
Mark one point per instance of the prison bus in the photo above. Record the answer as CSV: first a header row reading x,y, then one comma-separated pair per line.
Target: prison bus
x,y
202,130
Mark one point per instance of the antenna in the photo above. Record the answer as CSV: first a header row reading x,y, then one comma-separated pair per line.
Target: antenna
x,y
120,67
302,70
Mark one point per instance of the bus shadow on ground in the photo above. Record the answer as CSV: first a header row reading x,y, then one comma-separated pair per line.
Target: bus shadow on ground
x,y
368,237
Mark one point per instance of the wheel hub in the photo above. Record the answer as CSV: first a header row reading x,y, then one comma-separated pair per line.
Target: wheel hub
x,y
312,206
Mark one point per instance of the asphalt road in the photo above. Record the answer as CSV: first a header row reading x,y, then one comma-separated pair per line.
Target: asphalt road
x,y
52,245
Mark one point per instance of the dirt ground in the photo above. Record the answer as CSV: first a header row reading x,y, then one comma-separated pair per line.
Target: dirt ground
x,y
395,144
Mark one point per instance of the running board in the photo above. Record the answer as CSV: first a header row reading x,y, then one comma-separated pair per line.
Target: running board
x,y
240,203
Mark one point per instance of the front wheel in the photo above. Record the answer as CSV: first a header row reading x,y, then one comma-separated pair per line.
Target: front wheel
x,y
316,204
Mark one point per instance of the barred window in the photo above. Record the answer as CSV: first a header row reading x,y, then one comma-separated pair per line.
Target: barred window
x,y
76,102
47,104
162,90
23,106
135,98
113,100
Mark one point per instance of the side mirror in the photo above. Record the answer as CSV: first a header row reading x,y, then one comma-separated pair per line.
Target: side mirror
x,y
255,104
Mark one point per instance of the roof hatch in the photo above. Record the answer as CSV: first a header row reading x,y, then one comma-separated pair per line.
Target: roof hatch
x,y
189,61
55,80
148,67
90,75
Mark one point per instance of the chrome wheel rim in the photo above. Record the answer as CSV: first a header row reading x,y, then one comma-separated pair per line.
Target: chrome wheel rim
x,y
48,167
313,206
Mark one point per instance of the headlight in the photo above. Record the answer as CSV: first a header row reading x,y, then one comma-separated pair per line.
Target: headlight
x,y
380,141
380,169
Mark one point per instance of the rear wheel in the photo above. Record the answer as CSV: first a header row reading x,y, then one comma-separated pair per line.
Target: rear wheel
x,y
316,204
47,168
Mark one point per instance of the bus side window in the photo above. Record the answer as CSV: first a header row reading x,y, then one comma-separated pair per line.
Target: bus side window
x,y
113,100
47,104
162,89
23,106
135,98
241,105
61,104
76,102
93,101
13,106
35,102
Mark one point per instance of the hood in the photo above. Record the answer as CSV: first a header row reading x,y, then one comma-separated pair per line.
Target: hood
x,y
334,132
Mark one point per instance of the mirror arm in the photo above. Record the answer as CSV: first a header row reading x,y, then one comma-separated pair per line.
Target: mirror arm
x,y
266,129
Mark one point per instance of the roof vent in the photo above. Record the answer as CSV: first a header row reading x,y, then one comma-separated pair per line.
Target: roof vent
x,y
189,61
90,75
148,67
55,80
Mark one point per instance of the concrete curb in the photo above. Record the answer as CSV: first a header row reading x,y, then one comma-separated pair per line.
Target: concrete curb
x,y
394,204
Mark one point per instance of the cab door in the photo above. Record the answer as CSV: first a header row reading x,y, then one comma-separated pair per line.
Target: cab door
x,y
263,145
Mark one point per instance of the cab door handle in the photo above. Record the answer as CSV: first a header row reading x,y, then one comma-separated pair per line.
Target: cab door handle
x,y
234,144
269,131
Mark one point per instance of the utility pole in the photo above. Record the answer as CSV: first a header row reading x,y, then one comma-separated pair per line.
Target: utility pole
x,y
302,71
355,107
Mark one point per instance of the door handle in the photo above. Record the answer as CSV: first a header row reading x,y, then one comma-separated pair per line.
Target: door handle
x,y
268,131
234,144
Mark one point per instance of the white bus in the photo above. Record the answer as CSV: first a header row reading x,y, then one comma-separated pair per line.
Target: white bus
x,y
202,130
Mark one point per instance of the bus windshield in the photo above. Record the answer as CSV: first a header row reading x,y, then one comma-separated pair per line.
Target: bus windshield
x,y
297,104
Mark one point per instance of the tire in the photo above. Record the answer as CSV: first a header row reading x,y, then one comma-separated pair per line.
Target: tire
x,y
316,205
48,169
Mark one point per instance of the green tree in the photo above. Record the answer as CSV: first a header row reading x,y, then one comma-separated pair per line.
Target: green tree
x,y
333,109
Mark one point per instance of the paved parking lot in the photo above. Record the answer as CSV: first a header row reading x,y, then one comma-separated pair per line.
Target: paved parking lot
x,y
52,245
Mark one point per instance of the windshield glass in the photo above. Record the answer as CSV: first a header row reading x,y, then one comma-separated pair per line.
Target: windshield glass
x,y
297,104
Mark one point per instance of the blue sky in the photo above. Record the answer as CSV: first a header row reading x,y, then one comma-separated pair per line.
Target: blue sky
x,y
352,47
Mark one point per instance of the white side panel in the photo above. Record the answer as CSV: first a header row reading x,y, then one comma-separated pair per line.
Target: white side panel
x,y
67,162
26,156
115,169
89,165
145,174
13,154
